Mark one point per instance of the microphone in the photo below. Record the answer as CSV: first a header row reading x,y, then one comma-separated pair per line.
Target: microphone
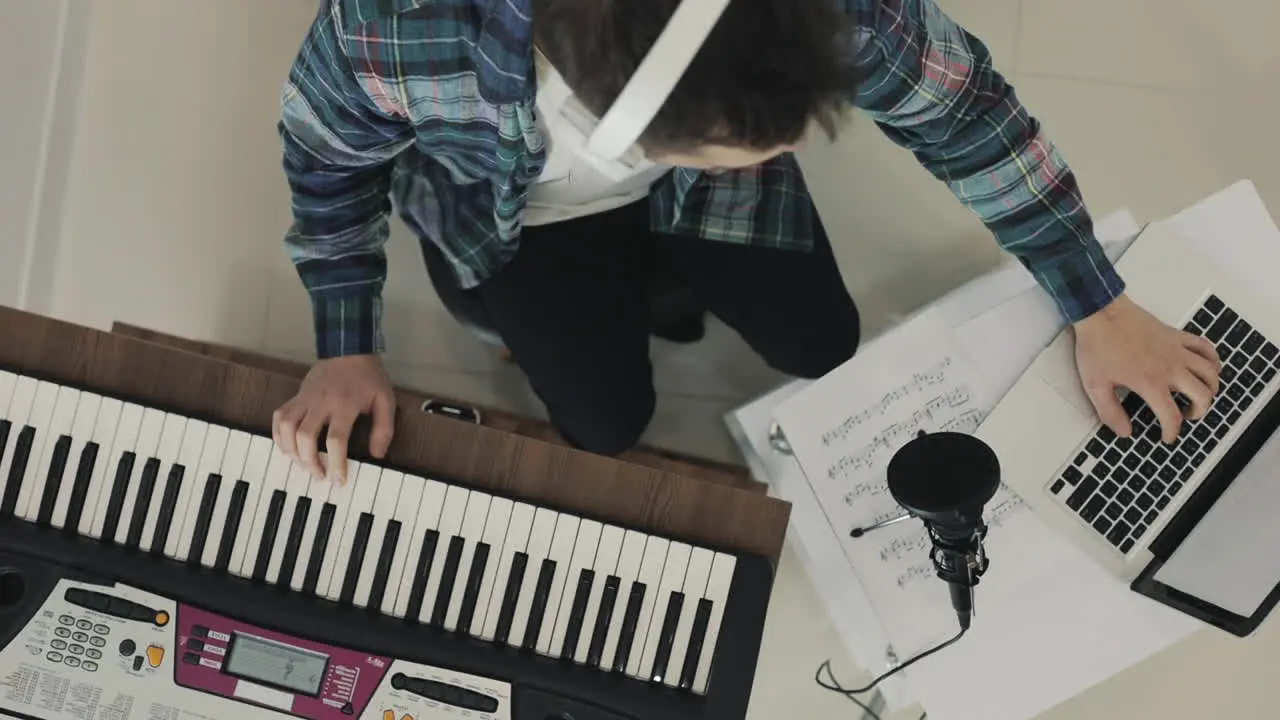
x,y
946,479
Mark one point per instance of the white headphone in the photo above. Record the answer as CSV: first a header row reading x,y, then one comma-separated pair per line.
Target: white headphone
x,y
656,78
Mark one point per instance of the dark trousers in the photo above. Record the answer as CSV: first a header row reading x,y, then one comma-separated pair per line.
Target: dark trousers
x,y
573,308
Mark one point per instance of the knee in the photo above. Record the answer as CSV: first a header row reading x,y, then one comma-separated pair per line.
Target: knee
x,y
818,349
608,428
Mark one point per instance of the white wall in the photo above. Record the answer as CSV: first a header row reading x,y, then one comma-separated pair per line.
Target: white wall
x,y
41,59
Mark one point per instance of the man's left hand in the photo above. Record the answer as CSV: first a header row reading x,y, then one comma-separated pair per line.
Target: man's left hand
x,y
1124,346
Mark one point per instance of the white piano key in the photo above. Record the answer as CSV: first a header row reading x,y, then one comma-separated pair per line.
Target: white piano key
x,y
215,446
496,528
451,518
24,396
629,573
81,435
695,588
255,473
193,440
606,562
318,490
718,585
126,439
231,470
472,532
406,513
384,511
562,544
280,469
426,516
364,490
673,574
143,450
41,419
8,381
656,550
517,540
104,434
340,496
584,557
41,461
167,452
295,488
539,546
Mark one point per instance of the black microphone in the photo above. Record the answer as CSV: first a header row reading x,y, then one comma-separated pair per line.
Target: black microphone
x,y
946,479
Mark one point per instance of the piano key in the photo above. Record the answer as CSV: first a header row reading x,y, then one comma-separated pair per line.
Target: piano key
x,y
264,536
519,525
364,489
577,613
24,396
382,569
695,588
289,536
41,419
214,447
318,493
320,547
472,532
605,564
697,637
672,582
189,457
289,558
666,637
142,503
243,553
18,470
356,558
7,382
627,631
475,580
406,516
173,486
119,489
631,644
340,496
604,620
104,435
144,450
40,475
80,486
538,606
53,485
543,616
496,529
448,580
6,432
628,572
204,519
81,435
233,463
231,528
718,584
428,556
384,511
168,453
539,545
452,511
583,558
507,610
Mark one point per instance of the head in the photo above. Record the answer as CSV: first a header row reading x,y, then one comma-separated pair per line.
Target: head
x,y
770,72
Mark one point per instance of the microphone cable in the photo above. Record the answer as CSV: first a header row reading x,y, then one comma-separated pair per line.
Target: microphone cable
x,y
834,685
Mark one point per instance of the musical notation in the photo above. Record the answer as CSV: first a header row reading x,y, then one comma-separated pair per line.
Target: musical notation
x,y
919,382
897,434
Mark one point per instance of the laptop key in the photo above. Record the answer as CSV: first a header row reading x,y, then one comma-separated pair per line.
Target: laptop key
x,y
1095,448
1082,493
1160,455
1119,532
1125,496
1151,517
1113,511
1109,489
1102,525
1258,365
1144,502
1214,304
1057,487
1270,352
1127,545
1133,516
1092,508
1072,475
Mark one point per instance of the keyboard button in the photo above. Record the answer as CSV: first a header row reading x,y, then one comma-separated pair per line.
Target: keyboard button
x,y
1113,456
1214,304
1095,448
1227,375
1133,516
1113,511
1125,496
1257,389
1102,524
1175,487
1133,462
1136,483
1148,470
1233,416
1162,502
1258,365
1143,447
1139,529
1203,318
1109,489
1270,352
1127,545
1072,475
1236,336
1092,508
1057,487
1082,493
1119,533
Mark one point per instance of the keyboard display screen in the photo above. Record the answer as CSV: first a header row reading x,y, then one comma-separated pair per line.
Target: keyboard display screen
x,y
1120,486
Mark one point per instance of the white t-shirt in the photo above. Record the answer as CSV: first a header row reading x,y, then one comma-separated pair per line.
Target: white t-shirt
x,y
574,183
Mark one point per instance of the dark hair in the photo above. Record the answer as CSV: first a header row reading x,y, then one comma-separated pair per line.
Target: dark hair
x,y
768,71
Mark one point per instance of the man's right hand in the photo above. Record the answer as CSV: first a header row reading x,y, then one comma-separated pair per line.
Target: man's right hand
x,y
335,393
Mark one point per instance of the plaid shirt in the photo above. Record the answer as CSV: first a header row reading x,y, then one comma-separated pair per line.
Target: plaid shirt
x,y
431,101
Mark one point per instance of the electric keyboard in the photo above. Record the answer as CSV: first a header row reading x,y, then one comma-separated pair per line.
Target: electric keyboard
x,y
153,553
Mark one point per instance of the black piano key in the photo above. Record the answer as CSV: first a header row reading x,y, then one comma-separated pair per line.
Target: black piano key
x,y
168,506
359,547
577,614
204,516
667,639
324,526
507,613
142,504
18,470
627,633
382,572
115,506
603,618
53,482
471,592
697,638
293,543
538,608
448,577
270,528
80,488
421,573
231,530
5,428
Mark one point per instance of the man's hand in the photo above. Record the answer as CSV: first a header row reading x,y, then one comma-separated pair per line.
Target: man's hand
x,y
1125,346
335,393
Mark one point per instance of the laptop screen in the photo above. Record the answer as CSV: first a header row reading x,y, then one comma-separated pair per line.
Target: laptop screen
x,y
1232,557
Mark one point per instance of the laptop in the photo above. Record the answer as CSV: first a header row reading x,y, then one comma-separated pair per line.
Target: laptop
x,y
1194,525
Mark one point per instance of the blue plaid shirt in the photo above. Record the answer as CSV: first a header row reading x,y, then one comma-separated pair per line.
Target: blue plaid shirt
x,y
432,102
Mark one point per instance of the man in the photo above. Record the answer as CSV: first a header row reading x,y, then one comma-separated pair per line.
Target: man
x,y
473,114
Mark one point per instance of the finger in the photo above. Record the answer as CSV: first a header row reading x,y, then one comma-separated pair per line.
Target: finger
x,y
337,443
1197,392
308,441
1206,371
1110,411
1161,401
1203,347
284,429
384,421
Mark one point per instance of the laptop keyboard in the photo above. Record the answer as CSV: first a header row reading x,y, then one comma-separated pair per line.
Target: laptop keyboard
x,y
1119,486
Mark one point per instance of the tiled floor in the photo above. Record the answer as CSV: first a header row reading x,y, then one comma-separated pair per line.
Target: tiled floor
x,y
178,205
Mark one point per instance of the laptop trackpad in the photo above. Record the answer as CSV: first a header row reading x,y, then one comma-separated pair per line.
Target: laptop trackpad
x,y
1232,557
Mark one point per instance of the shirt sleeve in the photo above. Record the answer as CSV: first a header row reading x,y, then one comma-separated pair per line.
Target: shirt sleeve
x,y
931,88
339,147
